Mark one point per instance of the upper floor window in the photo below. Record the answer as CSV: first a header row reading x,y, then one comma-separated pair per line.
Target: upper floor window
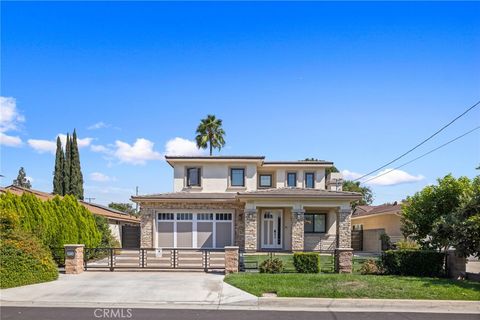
x,y
291,179
315,223
265,180
309,180
237,177
193,177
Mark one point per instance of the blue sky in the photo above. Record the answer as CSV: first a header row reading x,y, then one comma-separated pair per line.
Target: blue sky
x,y
354,83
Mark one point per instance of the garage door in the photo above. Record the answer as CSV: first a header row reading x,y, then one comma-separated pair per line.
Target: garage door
x,y
194,230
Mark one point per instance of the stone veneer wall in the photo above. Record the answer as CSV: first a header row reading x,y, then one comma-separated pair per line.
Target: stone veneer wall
x,y
344,227
321,241
298,219
250,227
148,214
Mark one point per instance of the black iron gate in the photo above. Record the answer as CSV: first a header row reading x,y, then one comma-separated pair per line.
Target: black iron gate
x,y
130,236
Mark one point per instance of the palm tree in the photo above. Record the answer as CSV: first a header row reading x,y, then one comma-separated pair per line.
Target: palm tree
x,y
210,132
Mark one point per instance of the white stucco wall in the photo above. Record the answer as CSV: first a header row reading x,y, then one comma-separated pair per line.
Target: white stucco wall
x,y
116,230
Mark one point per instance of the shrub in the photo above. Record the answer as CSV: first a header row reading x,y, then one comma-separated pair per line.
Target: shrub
x,y
407,244
24,260
413,263
370,266
386,242
306,262
274,265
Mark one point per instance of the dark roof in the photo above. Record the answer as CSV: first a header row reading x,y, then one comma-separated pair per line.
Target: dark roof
x,y
184,195
301,162
217,157
299,192
361,211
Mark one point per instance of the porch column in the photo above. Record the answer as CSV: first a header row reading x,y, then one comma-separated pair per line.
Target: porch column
x,y
250,229
298,236
146,228
344,251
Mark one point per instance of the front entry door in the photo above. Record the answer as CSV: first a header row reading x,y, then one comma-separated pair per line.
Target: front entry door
x,y
272,229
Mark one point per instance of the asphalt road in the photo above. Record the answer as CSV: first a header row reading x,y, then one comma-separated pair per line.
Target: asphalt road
x,y
164,314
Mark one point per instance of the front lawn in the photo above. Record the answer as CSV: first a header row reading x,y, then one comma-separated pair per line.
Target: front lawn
x,y
355,286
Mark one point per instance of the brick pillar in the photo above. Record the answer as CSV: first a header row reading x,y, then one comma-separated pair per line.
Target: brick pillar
x,y
74,258
344,251
298,226
456,265
251,230
231,259
146,227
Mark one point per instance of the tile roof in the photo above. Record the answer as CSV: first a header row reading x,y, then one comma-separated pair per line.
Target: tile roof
x,y
184,195
361,211
300,192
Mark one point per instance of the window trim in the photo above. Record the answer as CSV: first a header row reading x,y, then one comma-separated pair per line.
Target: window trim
x,y
260,180
199,177
316,214
305,180
231,177
296,183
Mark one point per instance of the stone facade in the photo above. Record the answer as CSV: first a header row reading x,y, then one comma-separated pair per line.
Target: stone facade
x,y
298,220
343,260
74,258
231,259
344,227
457,265
322,241
146,227
250,230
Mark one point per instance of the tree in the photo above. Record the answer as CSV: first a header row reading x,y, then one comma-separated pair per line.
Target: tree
x,y
445,215
123,207
58,172
354,186
210,134
67,166
76,177
22,180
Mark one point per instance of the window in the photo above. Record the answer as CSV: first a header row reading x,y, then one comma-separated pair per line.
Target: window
x,y
223,217
205,216
184,216
315,223
165,216
265,180
193,177
291,179
309,180
237,177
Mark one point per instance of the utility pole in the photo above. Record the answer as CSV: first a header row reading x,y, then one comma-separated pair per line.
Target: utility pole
x,y
89,199
136,204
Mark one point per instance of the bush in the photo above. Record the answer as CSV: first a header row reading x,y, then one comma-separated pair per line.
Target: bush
x,y
407,244
413,263
274,265
370,266
306,262
24,260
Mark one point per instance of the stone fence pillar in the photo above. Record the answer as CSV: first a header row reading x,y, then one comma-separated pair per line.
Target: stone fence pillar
x,y
344,251
74,258
231,259
456,265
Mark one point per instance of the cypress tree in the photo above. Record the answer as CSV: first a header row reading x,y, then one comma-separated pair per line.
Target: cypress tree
x,y
58,175
76,177
22,180
67,166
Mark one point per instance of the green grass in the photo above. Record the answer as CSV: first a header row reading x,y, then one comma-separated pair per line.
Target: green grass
x,y
355,286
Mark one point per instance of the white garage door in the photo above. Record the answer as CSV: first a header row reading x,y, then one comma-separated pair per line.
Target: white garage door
x,y
194,230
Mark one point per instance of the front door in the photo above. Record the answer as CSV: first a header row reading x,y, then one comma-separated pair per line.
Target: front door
x,y
272,229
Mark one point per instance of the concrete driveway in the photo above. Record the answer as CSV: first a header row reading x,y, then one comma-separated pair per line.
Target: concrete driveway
x,y
117,288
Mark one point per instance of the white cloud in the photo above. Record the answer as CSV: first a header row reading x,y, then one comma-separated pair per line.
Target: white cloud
x,y
101,149
100,177
42,146
29,179
11,141
98,125
395,177
182,147
138,153
10,119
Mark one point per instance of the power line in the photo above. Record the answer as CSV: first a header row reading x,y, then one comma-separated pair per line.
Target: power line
x,y
421,143
423,155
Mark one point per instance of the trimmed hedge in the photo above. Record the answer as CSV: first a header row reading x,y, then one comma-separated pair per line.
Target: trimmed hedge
x,y
420,263
306,262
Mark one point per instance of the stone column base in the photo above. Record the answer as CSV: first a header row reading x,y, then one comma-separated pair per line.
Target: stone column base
x,y
74,258
231,259
343,260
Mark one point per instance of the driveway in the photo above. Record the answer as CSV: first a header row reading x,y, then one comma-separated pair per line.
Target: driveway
x,y
115,288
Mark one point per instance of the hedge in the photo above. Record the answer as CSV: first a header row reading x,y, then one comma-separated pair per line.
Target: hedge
x,y
306,262
420,263
23,258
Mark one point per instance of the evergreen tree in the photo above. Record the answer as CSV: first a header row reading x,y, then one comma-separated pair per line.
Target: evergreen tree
x,y
22,180
67,166
58,176
76,177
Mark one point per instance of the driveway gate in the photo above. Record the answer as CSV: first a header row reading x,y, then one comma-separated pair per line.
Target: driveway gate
x,y
162,258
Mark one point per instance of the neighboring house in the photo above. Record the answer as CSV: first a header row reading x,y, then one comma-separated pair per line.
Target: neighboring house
x,y
258,205
372,221
124,227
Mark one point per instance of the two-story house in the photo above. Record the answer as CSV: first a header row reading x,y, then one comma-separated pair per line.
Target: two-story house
x,y
258,205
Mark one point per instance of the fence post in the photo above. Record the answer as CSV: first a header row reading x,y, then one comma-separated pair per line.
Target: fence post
x,y
231,259
111,259
205,253
74,258
143,257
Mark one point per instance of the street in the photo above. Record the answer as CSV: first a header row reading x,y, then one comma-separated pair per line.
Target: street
x,y
8,313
